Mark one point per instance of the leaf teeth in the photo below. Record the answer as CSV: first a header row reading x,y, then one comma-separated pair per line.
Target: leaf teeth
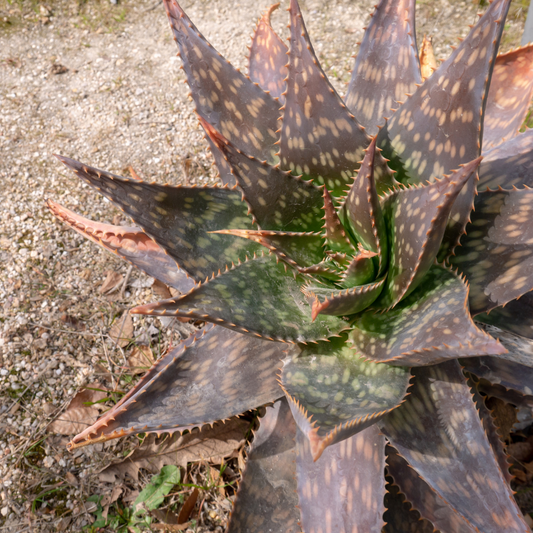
x,y
332,396
319,136
501,269
346,302
271,306
362,211
268,57
429,326
163,212
336,237
443,138
418,218
129,243
417,432
371,98
172,380
223,96
277,200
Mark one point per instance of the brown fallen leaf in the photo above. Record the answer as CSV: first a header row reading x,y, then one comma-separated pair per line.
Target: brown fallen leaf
x,y
188,506
208,444
504,415
170,527
161,290
140,359
121,331
78,415
111,283
71,479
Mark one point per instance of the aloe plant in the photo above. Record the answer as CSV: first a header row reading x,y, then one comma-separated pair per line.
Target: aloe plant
x,y
339,267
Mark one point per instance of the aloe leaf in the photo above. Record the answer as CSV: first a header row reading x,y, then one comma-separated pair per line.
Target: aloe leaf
x,y
257,297
267,63
267,498
362,212
508,374
296,249
491,431
224,97
360,270
333,393
130,244
388,48
224,169
511,89
439,415
277,200
320,138
496,254
351,469
179,219
338,241
515,316
345,302
447,110
423,498
431,325
508,165
400,517
191,386
417,219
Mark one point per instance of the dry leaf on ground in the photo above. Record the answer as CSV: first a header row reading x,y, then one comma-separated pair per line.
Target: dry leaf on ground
x,y
121,331
112,282
78,415
140,359
161,290
208,444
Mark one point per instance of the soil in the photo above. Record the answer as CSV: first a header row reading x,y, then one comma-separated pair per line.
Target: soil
x,y
101,82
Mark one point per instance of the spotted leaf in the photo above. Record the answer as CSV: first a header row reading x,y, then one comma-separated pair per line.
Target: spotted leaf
x,y
491,431
342,491
439,415
508,165
511,89
267,498
400,516
267,63
361,210
224,97
360,270
423,498
508,374
319,136
428,63
334,394
270,306
515,316
190,386
179,219
277,200
447,111
417,219
519,349
387,66
296,249
336,238
130,244
496,254
347,301
431,325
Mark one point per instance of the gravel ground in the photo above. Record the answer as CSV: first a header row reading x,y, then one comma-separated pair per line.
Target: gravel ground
x,y
101,83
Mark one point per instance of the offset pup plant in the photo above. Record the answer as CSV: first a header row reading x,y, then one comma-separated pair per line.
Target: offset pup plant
x,y
338,268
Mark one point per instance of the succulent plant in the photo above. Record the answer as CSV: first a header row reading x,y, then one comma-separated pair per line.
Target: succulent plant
x,y
338,267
